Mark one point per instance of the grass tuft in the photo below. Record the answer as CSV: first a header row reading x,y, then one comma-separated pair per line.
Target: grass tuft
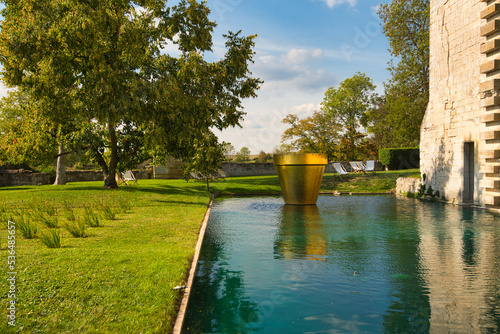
x,y
90,218
76,228
50,222
108,212
52,239
70,215
28,228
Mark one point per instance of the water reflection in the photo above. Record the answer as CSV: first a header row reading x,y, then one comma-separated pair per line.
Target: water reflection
x,y
459,254
420,268
300,234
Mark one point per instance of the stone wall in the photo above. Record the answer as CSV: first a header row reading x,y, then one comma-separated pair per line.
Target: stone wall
x,y
172,169
96,175
250,169
406,185
84,175
255,169
24,179
452,122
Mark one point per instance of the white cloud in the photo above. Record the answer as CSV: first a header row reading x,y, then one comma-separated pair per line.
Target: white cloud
x,y
297,56
306,109
4,90
295,67
332,3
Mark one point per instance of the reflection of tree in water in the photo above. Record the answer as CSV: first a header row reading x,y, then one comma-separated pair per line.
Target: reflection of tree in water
x,y
218,303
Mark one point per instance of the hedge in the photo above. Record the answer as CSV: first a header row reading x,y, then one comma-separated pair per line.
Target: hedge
x,y
399,158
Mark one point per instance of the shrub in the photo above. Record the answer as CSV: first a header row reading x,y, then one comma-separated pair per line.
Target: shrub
x,y
52,239
400,158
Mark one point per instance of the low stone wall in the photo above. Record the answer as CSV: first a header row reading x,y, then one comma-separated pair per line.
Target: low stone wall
x,y
250,169
34,179
406,185
96,175
84,175
24,179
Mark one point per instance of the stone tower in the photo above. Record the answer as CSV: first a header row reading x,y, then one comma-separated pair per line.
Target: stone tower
x,y
460,133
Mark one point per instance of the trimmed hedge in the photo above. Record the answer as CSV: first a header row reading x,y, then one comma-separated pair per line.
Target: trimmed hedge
x,y
399,158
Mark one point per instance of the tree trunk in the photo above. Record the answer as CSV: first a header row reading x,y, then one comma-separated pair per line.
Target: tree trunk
x,y
110,178
61,168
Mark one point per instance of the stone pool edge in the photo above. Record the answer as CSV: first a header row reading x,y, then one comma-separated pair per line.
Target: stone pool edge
x,y
181,314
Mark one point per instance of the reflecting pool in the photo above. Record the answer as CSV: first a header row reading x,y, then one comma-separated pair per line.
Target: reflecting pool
x,y
369,264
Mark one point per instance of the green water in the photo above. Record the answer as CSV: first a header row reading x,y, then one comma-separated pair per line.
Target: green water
x,y
375,264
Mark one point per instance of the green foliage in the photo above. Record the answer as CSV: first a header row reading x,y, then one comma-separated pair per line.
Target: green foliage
x,y
397,118
27,227
207,159
49,221
101,78
108,212
264,157
90,218
314,134
243,155
124,204
400,158
347,106
70,215
76,228
52,239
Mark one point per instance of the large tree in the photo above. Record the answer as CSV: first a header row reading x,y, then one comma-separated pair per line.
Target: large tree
x,y
102,62
347,105
317,133
406,25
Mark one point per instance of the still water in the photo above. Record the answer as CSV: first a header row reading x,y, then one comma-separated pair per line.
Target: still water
x,y
354,264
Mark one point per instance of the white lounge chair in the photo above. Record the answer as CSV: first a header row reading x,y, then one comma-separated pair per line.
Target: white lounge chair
x,y
128,176
340,169
196,176
357,166
222,174
370,166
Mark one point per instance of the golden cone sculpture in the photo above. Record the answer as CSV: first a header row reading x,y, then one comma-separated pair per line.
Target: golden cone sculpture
x,y
300,176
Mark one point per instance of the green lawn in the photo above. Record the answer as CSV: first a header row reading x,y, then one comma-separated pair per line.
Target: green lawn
x,y
120,277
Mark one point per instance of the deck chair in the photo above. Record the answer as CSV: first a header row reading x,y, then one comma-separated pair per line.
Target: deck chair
x,y
357,166
370,166
196,176
128,176
119,178
222,174
340,169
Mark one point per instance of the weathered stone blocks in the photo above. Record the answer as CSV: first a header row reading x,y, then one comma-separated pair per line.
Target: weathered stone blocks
x,y
490,28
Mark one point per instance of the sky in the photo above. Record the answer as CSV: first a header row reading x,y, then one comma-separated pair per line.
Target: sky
x,y
302,48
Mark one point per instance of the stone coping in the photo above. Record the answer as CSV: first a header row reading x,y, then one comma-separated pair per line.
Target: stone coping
x,y
187,291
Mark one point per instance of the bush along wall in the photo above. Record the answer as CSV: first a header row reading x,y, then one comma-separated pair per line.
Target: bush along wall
x,y
399,158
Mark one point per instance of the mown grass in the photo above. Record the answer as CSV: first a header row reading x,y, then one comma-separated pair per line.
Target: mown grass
x,y
377,183
119,277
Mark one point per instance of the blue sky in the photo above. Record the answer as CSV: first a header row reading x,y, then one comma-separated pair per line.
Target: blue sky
x,y
303,48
